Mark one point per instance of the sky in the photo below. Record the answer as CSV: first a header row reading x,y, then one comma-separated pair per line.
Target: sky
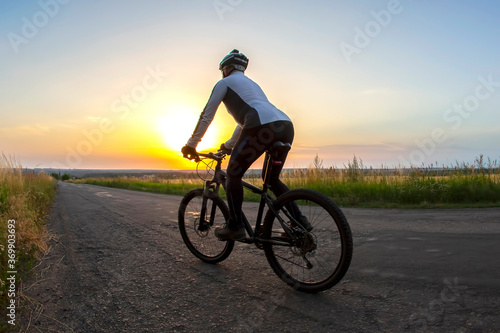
x,y
120,84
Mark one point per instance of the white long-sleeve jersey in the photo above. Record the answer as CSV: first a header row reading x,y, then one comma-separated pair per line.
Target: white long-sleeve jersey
x,y
244,100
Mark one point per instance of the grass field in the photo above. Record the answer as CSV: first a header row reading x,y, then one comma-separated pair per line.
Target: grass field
x,y
462,185
24,201
355,186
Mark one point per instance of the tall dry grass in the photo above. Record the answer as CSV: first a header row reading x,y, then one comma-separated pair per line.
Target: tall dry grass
x,y
24,197
461,185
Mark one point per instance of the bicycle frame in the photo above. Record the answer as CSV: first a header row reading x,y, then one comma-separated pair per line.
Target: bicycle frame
x,y
303,233
265,199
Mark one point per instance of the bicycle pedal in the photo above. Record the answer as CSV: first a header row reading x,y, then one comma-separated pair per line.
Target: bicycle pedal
x,y
246,240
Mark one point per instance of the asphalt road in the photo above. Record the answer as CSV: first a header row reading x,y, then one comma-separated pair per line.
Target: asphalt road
x,y
118,264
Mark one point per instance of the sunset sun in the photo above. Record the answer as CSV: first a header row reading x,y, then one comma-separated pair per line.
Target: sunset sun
x,y
177,128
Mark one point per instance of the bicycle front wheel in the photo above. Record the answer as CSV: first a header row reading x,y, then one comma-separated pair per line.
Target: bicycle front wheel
x,y
318,259
198,231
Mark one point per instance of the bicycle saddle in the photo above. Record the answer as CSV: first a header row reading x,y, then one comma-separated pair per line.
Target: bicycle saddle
x,y
278,145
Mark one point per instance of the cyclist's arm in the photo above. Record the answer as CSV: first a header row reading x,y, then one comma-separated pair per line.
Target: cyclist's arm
x,y
229,144
208,113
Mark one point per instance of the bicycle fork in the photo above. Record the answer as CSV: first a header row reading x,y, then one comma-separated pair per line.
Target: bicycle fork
x,y
205,224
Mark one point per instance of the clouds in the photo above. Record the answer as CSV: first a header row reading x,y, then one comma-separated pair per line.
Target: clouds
x,y
404,82
24,130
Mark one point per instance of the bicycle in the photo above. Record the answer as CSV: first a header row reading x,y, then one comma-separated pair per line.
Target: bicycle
x,y
307,261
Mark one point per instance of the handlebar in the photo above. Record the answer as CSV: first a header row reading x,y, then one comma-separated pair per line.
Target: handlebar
x,y
215,156
218,156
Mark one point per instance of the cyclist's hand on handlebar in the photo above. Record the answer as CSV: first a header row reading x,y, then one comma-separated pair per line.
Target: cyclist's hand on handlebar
x,y
225,150
189,153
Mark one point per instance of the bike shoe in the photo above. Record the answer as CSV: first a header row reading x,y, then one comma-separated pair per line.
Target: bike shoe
x,y
227,233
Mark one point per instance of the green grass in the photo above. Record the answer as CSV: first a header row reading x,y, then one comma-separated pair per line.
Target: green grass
x,y
354,185
176,187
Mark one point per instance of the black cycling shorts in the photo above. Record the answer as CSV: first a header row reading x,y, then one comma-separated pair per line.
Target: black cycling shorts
x,y
253,142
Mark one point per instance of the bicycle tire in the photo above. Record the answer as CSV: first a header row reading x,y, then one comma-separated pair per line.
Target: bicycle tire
x,y
331,257
203,244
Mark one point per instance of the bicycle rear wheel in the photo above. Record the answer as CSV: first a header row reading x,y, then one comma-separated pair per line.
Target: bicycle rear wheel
x,y
199,236
319,259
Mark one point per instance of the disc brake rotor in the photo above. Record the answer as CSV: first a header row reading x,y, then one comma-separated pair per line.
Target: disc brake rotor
x,y
201,230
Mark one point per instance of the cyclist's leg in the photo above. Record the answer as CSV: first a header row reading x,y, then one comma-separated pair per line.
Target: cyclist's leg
x,y
284,132
247,150
281,131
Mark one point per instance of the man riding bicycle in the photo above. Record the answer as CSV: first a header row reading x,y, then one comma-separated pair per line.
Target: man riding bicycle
x,y
259,125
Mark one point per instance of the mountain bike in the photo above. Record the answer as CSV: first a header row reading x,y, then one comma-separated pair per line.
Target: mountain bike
x,y
309,261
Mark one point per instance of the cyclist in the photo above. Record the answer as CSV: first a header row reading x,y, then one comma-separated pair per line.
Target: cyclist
x,y
259,125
